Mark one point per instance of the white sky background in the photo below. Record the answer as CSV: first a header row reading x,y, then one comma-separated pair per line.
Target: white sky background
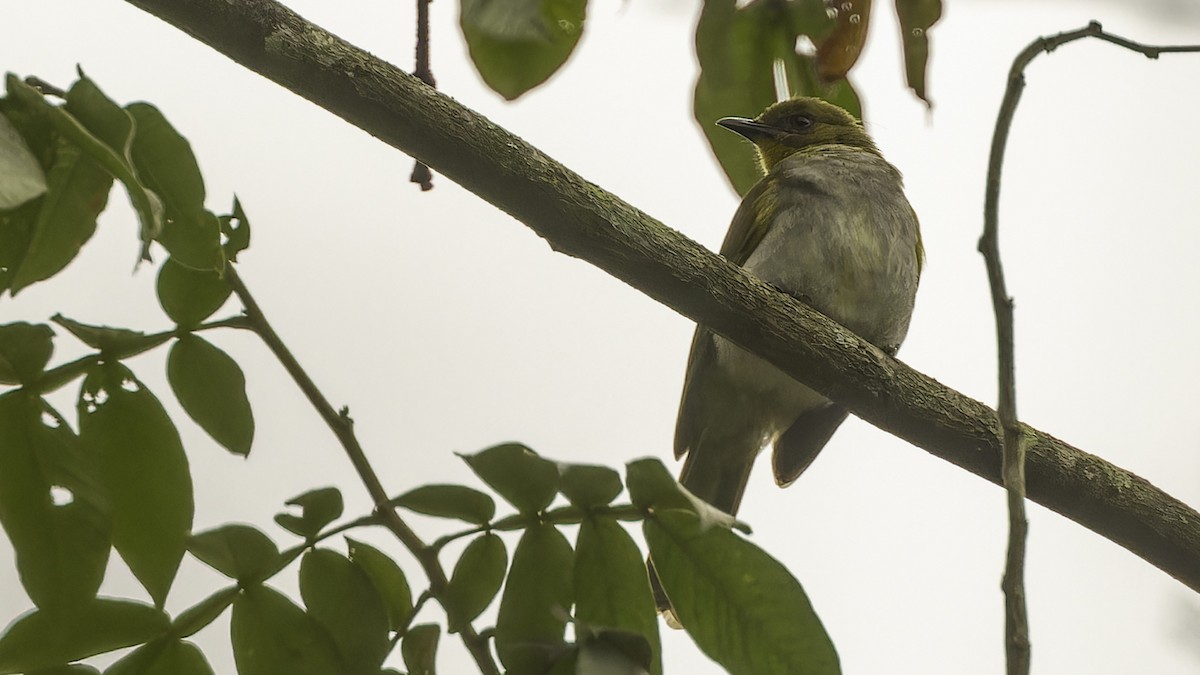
x,y
448,327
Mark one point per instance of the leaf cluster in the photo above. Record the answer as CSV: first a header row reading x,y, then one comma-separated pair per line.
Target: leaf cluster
x,y
115,478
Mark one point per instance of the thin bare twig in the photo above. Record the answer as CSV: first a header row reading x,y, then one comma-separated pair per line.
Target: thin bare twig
x,y
1012,470
343,428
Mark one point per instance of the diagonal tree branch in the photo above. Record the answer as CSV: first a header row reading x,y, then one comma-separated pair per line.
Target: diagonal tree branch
x,y
582,220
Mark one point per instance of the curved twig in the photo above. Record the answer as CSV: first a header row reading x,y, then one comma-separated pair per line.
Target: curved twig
x,y
1013,463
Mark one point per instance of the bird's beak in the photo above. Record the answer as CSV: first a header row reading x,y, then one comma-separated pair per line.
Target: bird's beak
x,y
749,128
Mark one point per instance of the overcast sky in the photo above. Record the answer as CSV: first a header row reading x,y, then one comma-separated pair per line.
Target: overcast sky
x,y
448,327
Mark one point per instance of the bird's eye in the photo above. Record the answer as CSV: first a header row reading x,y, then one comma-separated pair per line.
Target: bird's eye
x,y
802,123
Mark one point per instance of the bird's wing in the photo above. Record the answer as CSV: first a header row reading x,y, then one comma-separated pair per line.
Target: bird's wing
x,y
803,440
751,221
750,224
690,424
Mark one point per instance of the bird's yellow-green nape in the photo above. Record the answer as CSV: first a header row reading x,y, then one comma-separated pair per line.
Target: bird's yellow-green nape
x,y
797,125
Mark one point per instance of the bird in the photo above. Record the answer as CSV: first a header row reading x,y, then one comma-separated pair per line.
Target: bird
x,y
828,223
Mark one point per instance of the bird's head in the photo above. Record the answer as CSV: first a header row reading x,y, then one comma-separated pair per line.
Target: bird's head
x,y
797,125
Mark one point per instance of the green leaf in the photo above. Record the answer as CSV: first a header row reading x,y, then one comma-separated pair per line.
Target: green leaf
x,y
51,504
611,585
108,122
44,638
318,508
419,649
588,486
239,552
741,606
69,130
69,669
612,652
652,488
144,471
388,578
916,18
16,231
78,192
190,296
163,657
536,601
237,237
342,599
517,44
23,176
193,619
518,474
29,114
738,48
118,342
165,163
212,390
271,635
477,578
449,501
25,350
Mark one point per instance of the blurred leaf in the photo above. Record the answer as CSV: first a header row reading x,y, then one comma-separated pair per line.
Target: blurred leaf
x,y
477,578
237,237
449,501
840,49
588,486
420,649
738,48
341,598
612,588
536,601
318,508
195,618
144,471
271,636
44,638
25,350
212,390
165,163
239,552
389,580
163,657
120,342
518,474
51,504
23,176
916,18
741,606
517,44
190,296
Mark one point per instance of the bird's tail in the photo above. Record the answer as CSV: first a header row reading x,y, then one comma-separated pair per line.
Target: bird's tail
x,y
717,478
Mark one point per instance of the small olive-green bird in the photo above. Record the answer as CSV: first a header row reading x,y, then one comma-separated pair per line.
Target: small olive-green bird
x,y
829,224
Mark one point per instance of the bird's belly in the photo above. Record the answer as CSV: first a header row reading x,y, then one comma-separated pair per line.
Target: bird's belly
x,y
865,283
762,392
